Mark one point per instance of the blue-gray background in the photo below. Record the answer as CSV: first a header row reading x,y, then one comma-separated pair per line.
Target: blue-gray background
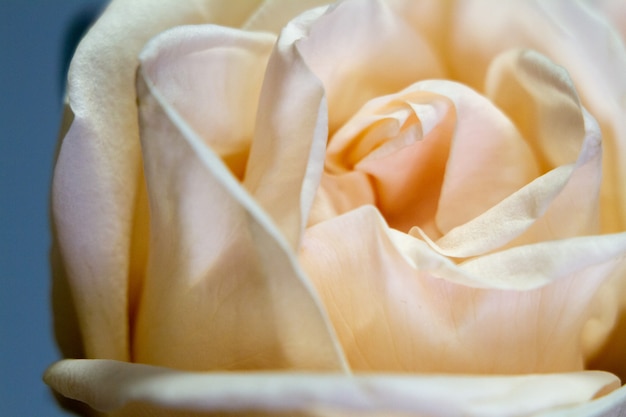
x,y
33,38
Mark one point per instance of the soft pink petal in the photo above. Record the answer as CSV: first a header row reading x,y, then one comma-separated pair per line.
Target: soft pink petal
x,y
560,204
573,35
436,152
132,388
96,196
399,306
361,50
222,290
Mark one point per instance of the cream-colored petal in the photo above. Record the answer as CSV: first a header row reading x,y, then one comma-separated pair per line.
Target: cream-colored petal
x,y
577,36
273,15
110,385
212,76
560,204
435,149
611,405
488,160
287,155
542,101
361,50
544,262
399,306
97,177
614,11
602,351
573,35
504,222
223,290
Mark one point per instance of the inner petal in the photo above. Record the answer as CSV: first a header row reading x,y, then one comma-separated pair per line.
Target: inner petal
x,y
436,155
393,154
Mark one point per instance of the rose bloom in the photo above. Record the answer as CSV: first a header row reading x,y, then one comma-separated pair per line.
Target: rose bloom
x,y
390,208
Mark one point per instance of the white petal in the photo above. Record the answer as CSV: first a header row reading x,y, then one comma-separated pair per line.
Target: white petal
x,y
274,15
111,385
287,155
97,198
212,76
223,290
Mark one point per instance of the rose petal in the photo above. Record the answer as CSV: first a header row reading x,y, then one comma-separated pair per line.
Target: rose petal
x,y
614,11
488,161
577,37
96,196
542,101
368,60
573,35
131,388
611,405
560,204
609,352
212,76
222,289
460,155
274,15
287,155
399,306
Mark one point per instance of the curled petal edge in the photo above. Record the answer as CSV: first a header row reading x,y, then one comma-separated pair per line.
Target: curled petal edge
x,y
109,385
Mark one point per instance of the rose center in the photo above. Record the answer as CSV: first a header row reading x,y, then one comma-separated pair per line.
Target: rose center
x,y
391,154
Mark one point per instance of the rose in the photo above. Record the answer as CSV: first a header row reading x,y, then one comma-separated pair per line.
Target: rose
x,y
291,268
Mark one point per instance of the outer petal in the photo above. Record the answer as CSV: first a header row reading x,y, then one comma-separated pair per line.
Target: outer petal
x,y
212,77
96,196
223,290
399,306
614,11
134,389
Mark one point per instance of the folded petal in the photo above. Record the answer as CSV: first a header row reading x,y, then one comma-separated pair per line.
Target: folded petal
x,y
575,36
274,15
379,54
222,288
540,98
399,306
489,159
437,153
96,197
131,389
287,155
212,76
560,204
